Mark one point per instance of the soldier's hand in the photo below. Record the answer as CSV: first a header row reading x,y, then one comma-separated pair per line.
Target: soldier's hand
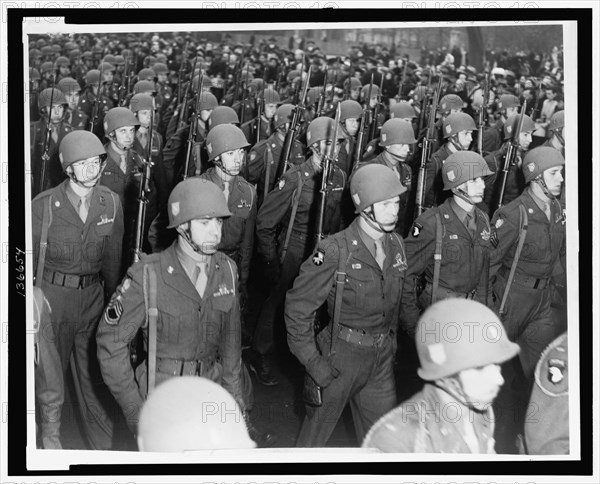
x,y
323,372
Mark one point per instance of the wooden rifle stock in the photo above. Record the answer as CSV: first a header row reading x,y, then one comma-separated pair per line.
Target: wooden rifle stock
x,y
482,115
511,155
193,131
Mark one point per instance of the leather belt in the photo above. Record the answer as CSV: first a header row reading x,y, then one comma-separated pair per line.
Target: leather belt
x,y
450,292
361,338
176,367
70,280
523,280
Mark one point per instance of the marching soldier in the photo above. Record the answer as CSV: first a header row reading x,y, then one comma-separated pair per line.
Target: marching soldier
x,y
192,291
285,230
269,99
74,116
351,360
462,373
123,172
350,114
556,128
94,103
507,106
514,181
449,246
51,105
396,139
259,158
82,224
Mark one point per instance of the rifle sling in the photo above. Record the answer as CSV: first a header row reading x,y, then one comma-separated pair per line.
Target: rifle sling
x,y
523,223
295,201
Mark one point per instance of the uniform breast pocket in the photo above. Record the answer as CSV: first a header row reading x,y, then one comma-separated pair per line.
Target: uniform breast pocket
x,y
358,283
178,323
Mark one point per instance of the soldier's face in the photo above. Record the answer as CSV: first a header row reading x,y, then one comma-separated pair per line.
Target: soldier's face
x,y
481,385
144,117
87,171
125,136
162,77
65,70
475,189
232,161
206,233
56,113
270,110
511,111
107,76
525,140
553,178
72,99
205,114
354,93
464,139
386,212
352,125
400,150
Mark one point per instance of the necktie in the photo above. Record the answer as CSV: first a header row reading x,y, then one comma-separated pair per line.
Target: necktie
x,y
143,137
123,163
226,190
83,208
54,133
547,210
379,252
470,223
201,278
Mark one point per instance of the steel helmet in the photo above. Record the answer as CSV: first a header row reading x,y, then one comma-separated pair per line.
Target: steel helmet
x,y
312,96
457,122
449,102
283,115
207,101
34,74
350,109
355,83
513,122
109,58
79,145
271,96
116,118
119,60
206,83
372,183
395,131
463,166
293,74
146,74
195,198
68,85
419,93
458,334
144,86
106,67
321,128
141,101
51,93
365,91
160,68
62,61
191,413
92,77
222,115
256,85
46,67
507,101
35,54
223,138
540,159
402,110
557,121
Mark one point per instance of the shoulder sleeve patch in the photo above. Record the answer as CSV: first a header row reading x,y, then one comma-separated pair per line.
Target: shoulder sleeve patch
x,y
318,258
281,183
416,230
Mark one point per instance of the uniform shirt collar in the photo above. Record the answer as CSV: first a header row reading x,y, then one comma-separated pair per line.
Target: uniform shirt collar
x,y
541,203
460,212
367,239
74,197
188,258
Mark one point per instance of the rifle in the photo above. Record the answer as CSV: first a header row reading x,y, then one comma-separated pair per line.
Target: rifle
x,y
424,102
327,165
291,134
403,79
193,132
321,102
373,133
96,108
245,92
536,114
47,137
260,102
482,114
364,125
181,121
427,142
511,155
184,61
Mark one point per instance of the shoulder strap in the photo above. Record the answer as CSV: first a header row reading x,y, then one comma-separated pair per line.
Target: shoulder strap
x,y
295,202
340,281
268,161
523,222
437,257
149,286
46,221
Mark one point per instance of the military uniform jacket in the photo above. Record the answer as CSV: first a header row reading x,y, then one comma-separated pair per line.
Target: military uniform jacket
x,y
403,169
238,230
77,119
465,260
188,328
249,129
434,185
79,248
493,137
277,207
515,181
370,299
548,434
419,426
544,242
86,105
257,161
54,171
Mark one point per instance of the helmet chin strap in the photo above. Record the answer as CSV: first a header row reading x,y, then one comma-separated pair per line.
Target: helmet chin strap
x,y
453,140
452,386
374,223
186,233
396,157
220,165
460,193
81,183
542,184
559,137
